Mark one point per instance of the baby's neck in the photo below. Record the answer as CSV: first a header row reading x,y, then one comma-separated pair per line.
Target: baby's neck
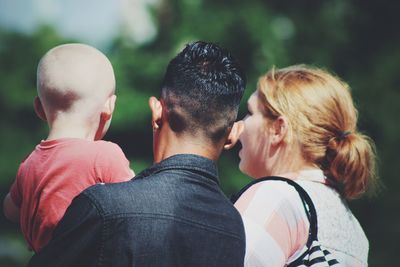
x,y
71,129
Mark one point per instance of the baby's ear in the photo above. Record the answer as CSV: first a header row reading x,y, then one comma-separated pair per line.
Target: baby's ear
x,y
37,104
109,106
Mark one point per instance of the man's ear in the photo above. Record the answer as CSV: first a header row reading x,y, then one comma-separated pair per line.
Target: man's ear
x,y
108,108
279,130
37,105
156,112
233,137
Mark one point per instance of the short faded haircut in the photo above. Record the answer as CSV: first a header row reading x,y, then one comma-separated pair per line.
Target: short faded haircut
x,y
202,89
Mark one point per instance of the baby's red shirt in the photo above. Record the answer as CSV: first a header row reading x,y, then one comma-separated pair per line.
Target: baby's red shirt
x,y
54,173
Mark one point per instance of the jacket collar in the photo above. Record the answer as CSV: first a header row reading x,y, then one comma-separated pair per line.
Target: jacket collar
x,y
189,162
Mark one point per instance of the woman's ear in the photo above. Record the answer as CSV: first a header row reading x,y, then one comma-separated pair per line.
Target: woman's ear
x,y
37,104
156,112
234,134
279,130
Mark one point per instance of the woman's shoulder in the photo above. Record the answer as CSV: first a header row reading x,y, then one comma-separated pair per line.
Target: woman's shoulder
x,y
269,189
266,198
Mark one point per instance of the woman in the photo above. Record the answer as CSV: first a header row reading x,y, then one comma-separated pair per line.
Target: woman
x,y
302,125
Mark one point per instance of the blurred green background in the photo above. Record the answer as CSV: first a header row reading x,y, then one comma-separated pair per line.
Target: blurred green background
x,y
358,40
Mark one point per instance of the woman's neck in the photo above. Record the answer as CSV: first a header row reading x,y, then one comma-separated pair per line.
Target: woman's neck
x,y
289,162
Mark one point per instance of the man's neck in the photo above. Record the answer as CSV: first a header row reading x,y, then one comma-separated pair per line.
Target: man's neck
x,y
171,145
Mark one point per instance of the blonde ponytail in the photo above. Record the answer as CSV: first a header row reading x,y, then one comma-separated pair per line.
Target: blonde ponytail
x,y
350,161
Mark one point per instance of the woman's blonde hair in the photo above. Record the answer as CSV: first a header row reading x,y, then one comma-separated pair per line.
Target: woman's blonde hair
x,y
323,120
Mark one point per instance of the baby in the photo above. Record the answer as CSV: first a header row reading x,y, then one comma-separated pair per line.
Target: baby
x,y
76,87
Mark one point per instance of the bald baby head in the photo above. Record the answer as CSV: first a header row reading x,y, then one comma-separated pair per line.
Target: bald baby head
x,y
74,78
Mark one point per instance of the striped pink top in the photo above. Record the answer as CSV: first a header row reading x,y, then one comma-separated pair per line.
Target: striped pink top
x,y
277,227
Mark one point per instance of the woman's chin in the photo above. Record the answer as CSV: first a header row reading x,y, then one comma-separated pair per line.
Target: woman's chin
x,y
240,164
242,167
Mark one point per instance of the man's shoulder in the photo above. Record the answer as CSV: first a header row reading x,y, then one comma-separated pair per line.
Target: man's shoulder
x,y
149,198
105,195
162,197
133,196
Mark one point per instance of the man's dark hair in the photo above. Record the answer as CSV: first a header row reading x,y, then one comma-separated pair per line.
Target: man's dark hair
x,y
202,89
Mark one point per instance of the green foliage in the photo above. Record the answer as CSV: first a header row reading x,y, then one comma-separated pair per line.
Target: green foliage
x,y
352,38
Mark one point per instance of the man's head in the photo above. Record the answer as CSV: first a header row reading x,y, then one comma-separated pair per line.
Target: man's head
x,y
77,81
201,92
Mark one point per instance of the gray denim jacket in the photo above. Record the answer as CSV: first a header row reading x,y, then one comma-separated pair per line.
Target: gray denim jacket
x,y
171,214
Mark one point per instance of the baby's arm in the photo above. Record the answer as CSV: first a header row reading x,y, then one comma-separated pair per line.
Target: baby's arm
x,y
11,211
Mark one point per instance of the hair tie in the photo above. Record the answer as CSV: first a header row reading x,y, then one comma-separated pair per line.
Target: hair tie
x,y
344,134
